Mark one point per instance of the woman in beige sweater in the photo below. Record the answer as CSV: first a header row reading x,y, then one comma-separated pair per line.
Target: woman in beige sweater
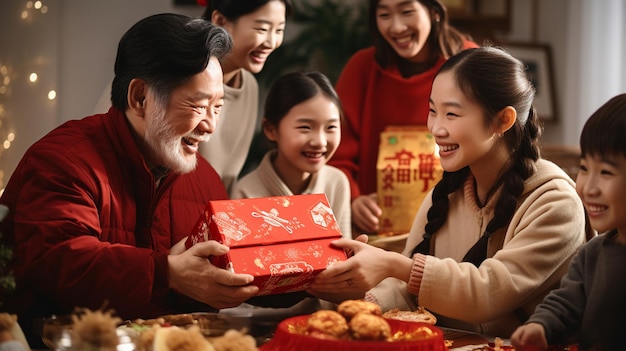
x,y
498,231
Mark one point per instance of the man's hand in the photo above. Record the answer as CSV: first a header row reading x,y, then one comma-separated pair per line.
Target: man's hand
x,y
179,247
365,213
191,274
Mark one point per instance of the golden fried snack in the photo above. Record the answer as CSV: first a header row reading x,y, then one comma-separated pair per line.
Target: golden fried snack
x,y
7,321
420,333
234,340
145,339
349,308
179,339
179,320
419,315
9,329
94,329
366,326
329,323
149,322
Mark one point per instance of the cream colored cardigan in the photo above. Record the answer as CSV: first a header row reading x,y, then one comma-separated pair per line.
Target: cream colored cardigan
x,y
228,148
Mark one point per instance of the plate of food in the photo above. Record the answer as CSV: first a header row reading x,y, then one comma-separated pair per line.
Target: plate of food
x,y
355,325
193,331
209,324
420,315
86,329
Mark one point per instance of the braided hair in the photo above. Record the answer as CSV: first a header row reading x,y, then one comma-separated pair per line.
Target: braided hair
x,y
494,79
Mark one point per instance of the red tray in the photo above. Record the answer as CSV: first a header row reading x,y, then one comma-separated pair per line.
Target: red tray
x,y
287,338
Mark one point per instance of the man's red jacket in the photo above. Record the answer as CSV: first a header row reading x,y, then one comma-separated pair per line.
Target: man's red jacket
x,y
90,227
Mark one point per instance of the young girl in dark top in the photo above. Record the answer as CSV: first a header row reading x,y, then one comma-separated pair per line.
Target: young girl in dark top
x,y
590,304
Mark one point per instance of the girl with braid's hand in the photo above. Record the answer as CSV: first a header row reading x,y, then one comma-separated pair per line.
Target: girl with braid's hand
x,y
496,234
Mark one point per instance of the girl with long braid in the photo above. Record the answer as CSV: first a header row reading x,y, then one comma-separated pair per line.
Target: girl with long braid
x,y
498,231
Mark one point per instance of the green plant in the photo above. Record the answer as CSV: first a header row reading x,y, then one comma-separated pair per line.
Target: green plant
x,y
328,33
7,281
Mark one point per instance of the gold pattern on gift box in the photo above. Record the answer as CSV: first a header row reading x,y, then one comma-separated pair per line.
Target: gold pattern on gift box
x,y
258,263
233,229
322,215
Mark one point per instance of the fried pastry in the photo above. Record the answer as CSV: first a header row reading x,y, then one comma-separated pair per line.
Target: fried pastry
x,y
328,323
94,329
234,340
349,308
179,339
179,320
419,315
366,326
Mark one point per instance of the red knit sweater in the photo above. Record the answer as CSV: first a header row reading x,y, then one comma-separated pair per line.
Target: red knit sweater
x,y
372,99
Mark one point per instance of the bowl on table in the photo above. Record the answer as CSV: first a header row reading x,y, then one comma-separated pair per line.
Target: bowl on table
x,y
291,335
57,334
54,328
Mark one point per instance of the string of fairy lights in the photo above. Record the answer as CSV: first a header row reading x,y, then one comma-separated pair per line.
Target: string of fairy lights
x,y
5,133
9,77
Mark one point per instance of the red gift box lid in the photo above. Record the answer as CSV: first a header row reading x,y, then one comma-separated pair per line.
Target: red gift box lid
x,y
271,220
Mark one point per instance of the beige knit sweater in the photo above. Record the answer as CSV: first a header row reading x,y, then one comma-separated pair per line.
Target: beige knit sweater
x,y
264,181
228,148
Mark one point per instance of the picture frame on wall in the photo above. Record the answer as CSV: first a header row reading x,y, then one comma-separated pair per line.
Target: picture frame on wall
x,y
538,61
480,10
458,7
186,3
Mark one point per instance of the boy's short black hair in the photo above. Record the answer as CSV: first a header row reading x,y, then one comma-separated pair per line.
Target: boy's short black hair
x,y
604,133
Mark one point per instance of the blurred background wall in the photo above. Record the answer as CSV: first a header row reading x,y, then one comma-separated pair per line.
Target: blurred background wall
x,y
57,56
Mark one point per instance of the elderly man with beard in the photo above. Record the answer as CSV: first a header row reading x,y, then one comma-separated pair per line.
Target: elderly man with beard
x,y
96,205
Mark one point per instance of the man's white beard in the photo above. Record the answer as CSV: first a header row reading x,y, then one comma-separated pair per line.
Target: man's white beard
x,y
166,146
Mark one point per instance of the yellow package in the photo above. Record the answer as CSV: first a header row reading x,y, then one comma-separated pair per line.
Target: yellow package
x,y
408,167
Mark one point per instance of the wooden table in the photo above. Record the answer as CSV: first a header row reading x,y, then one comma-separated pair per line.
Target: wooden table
x,y
464,340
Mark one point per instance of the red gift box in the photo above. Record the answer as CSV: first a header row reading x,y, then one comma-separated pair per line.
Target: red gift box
x,y
283,241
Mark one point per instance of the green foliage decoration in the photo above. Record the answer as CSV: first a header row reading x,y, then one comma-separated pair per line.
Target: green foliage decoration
x,y
7,281
328,33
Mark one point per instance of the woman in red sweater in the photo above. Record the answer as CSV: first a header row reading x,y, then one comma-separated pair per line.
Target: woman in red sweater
x,y
389,84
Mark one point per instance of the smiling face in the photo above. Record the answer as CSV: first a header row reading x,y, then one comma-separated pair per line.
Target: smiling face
x,y
458,125
405,25
601,184
255,36
172,132
307,137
